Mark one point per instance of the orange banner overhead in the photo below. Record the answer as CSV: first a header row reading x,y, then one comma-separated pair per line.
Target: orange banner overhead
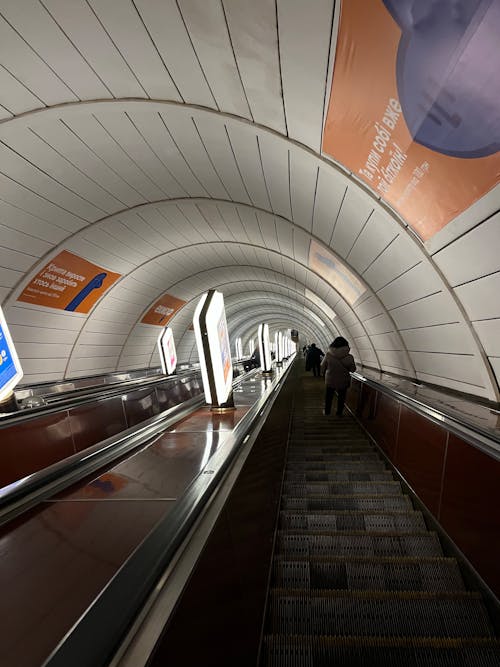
x,y
415,104
68,282
162,310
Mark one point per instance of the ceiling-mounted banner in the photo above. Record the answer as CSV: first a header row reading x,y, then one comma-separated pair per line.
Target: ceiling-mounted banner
x,y
68,282
162,310
415,104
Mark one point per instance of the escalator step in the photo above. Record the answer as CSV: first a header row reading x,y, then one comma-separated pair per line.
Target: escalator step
x,y
383,574
350,545
378,614
303,477
314,466
315,447
307,651
399,502
340,488
374,522
341,456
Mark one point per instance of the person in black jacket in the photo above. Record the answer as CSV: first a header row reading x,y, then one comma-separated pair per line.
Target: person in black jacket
x,y
337,367
313,360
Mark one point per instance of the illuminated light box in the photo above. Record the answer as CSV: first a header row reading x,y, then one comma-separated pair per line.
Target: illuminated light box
x,y
168,354
239,349
335,272
264,348
10,368
212,340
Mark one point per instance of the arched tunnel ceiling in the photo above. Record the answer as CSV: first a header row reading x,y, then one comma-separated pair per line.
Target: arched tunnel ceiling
x,y
179,146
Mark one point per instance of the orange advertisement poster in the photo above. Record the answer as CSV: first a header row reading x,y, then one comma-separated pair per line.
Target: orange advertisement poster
x,y
68,282
162,310
414,107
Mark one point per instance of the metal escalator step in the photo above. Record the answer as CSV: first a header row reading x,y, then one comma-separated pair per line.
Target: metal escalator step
x,y
378,614
351,545
315,447
312,651
381,574
303,477
341,488
352,466
399,502
376,522
341,456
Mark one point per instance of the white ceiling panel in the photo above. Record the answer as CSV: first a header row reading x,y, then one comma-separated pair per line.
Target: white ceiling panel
x,y
210,37
275,162
31,20
304,171
15,97
304,65
167,28
254,38
83,28
128,33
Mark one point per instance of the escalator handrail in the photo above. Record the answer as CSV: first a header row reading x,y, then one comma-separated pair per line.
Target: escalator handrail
x,y
473,434
82,396
97,634
21,495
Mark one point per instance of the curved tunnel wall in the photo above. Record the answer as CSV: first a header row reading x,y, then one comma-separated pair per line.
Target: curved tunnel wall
x,y
177,198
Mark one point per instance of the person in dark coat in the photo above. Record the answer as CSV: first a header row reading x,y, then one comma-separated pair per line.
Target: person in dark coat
x,y
336,366
313,361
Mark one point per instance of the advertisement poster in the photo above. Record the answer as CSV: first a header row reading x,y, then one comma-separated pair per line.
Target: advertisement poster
x,y
224,346
335,272
414,106
68,282
162,310
8,368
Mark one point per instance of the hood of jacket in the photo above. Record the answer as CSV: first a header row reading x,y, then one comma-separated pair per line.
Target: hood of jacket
x,y
339,352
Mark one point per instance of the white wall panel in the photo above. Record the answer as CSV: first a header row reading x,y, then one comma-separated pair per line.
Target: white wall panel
x,y
275,157
355,211
330,192
445,338
480,298
378,325
435,309
395,260
375,236
417,282
489,334
304,172
473,255
369,308
392,359
455,367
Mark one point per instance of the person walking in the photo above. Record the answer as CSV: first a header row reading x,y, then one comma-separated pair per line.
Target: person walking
x,y
314,356
336,366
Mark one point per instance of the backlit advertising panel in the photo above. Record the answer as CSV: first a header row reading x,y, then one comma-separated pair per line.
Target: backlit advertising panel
x,y
162,311
264,348
10,368
168,354
214,351
414,106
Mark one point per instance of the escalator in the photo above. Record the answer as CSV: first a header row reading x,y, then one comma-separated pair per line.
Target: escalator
x,y
357,578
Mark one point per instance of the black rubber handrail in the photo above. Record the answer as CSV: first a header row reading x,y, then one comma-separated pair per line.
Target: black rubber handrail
x,y
21,495
473,434
95,637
